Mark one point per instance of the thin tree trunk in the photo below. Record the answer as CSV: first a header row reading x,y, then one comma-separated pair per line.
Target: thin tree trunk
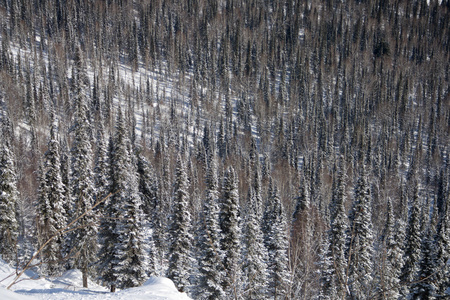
x,y
85,277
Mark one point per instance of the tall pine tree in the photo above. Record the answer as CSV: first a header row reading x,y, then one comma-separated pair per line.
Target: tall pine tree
x,y
302,238
276,242
148,191
442,237
255,253
9,227
334,281
180,231
102,175
412,242
52,217
122,256
211,256
231,234
360,252
424,286
83,240
391,258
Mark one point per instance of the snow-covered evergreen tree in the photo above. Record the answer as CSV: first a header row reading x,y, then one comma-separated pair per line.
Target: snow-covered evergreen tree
x,y
148,191
163,159
211,256
424,286
65,176
277,244
133,258
231,234
412,242
108,237
303,203
9,227
255,167
102,174
180,264
302,237
334,262
338,233
391,258
327,272
122,256
83,240
102,179
52,216
442,238
255,253
360,251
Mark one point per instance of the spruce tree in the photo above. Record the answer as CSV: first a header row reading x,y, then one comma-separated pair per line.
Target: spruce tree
x,y
83,240
122,256
9,226
255,253
412,242
442,238
102,179
327,272
424,286
65,177
180,231
108,237
52,217
211,256
360,251
133,258
336,277
302,238
231,234
102,176
391,258
148,191
276,242
162,158
255,167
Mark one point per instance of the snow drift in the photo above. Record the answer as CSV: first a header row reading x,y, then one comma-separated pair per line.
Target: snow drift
x,y
69,286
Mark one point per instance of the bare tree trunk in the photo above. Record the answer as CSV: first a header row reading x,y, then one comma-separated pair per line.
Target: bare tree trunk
x,y
113,288
85,277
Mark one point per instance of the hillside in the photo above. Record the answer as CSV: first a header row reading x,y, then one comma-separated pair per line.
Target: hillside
x,y
247,149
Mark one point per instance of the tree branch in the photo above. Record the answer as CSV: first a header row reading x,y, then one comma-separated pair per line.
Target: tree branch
x,y
64,230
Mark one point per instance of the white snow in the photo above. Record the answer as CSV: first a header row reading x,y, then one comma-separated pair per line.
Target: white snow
x,y
69,286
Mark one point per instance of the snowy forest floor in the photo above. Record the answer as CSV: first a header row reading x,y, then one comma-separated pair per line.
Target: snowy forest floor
x,y
69,286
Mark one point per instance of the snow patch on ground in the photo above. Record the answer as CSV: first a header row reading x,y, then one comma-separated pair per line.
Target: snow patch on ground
x,y
69,287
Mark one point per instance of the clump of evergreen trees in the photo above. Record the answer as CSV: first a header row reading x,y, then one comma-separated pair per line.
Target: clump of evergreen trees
x,y
244,149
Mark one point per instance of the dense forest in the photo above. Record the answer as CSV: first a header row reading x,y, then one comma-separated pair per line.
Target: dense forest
x,y
245,149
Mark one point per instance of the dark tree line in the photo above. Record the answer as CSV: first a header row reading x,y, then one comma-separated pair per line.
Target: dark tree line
x,y
250,149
